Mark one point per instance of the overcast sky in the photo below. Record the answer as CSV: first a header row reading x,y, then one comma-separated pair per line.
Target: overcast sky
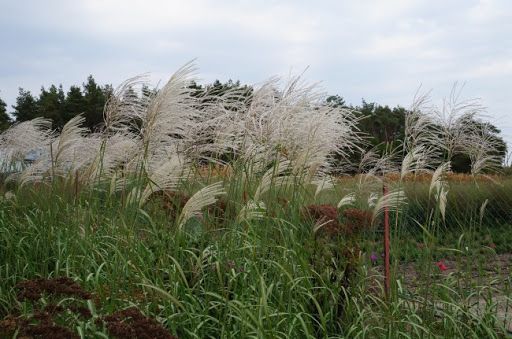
x,y
380,50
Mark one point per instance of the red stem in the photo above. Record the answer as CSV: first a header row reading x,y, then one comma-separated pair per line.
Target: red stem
x,y
387,274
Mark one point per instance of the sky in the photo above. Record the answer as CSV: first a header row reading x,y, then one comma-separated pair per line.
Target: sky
x,y
382,51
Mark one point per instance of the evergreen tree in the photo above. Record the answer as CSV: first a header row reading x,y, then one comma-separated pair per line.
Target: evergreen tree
x,y
74,103
95,99
5,119
381,123
51,105
26,106
61,95
108,91
243,93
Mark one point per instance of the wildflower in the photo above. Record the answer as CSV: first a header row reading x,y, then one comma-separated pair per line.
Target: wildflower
x,y
441,265
374,257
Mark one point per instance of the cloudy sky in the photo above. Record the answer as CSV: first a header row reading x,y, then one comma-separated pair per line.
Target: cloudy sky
x,y
380,50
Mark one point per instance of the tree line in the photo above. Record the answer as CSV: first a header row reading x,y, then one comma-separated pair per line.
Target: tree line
x,y
58,105
382,125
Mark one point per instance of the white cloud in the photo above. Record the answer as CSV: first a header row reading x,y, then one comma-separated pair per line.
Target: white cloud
x,y
380,50
486,11
493,68
404,46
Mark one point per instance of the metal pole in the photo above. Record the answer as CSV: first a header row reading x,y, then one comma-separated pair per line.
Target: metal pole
x,y
387,274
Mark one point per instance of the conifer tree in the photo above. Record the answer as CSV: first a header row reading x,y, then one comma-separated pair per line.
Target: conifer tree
x,y
51,105
74,103
5,119
26,106
95,99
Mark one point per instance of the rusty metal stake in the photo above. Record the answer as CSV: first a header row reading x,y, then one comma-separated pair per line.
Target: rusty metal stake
x,y
387,274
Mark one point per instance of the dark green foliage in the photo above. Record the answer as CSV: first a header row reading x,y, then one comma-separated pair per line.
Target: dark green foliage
x,y
95,99
26,106
219,88
5,119
51,105
74,104
382,123
238,93
382,127
461,163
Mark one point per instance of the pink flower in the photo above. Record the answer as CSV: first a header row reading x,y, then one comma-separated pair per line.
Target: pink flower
x,y
441,265
374,257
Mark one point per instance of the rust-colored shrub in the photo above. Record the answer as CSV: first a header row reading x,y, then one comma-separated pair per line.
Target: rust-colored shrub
x,y
326,215
34,289
131,323
356,220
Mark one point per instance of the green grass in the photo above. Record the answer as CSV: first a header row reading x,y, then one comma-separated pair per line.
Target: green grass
x,y
265,278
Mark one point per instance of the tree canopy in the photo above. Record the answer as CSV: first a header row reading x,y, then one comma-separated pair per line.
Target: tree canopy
x,y
26,107
60,106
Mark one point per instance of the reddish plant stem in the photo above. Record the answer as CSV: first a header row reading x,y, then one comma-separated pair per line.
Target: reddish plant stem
x,y
387,274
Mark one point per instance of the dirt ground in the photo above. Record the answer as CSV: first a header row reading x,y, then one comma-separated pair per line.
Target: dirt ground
x,y
491,275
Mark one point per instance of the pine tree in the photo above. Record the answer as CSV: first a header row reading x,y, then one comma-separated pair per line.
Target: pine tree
x,y
26,106
95,99
74,103
5,119
51,105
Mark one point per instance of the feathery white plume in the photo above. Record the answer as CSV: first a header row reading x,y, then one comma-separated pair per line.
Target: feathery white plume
x,y
322,184
252,210
392,201
64,148
272,178
372,199
202,198
442,200
294,123
24,139
347,200
415,161
165,176
482,209
437,177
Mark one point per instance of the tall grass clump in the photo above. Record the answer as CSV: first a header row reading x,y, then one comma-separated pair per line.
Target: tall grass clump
x,y
212,216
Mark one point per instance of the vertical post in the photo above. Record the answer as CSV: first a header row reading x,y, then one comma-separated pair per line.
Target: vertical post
x,y
387,274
